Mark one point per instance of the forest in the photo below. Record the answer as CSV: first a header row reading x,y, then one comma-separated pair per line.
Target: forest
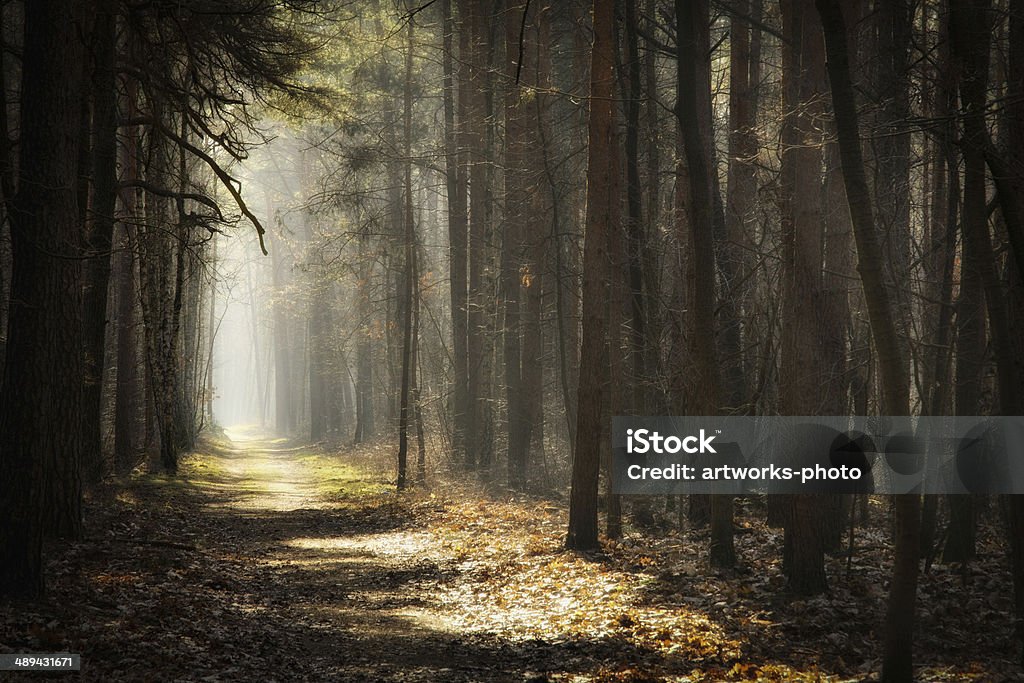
x,y
315,316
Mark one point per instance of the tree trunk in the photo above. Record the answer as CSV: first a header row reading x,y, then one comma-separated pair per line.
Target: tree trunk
x,y
636,237
478,426
404,412
1014,150
536,278
41,399
602,221
211,337
319,332
284,414
161,277
455,179
806,379
741,187
693,82
99,236
129,390
836,289
365,423
891,24
897,662
512,261
969,42
939,265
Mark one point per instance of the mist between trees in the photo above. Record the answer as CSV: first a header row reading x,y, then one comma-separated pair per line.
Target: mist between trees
x,y
480,230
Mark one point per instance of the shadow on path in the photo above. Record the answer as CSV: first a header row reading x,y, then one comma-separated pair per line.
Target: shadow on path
x,y
265,561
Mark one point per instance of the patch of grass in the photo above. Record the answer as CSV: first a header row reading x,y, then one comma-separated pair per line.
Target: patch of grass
x,y
203,470
336,478
221,468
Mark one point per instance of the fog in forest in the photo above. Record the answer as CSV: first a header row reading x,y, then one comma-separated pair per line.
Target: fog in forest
x,y
241,354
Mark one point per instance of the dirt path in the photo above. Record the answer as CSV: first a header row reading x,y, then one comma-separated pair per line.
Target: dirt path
x,y
261,561
268,561
325,554
328,546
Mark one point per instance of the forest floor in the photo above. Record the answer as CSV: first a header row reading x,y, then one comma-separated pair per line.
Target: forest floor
x,y
267,561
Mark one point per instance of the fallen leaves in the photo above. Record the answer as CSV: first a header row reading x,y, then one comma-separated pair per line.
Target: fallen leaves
x,y
283,565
